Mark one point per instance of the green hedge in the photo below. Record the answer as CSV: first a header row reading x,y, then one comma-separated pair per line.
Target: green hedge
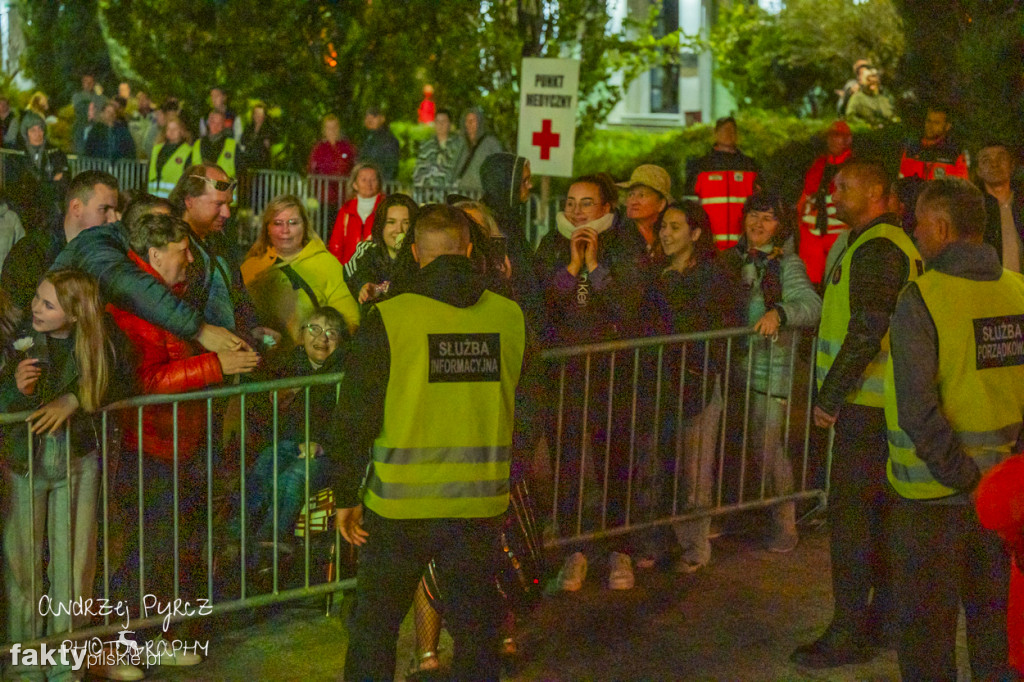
x,y
784,146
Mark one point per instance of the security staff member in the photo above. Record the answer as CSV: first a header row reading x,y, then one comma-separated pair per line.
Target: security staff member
x,y
819,226
853,346
954,398
217,147
722,180
428,389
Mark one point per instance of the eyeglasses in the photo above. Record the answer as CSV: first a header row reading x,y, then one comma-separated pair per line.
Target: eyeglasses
x,y
316,330
291,222
586,204
219,185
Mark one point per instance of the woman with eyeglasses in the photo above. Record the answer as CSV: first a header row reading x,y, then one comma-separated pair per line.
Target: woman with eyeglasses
x,y
289,272
589,271
322,345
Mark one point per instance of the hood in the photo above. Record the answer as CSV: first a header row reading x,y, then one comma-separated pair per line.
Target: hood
x,y
481,128
449,279
501,175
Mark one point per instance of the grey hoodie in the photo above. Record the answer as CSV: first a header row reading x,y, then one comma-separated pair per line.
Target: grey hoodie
x,y
472,156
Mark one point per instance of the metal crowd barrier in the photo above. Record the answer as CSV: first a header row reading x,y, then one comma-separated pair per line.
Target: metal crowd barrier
x,y
619,434
622,452
224,590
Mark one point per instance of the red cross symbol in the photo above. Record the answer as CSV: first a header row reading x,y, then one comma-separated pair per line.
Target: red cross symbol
x,y
546,139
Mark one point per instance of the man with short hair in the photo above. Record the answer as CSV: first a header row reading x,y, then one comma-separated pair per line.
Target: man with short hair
x,y
853,344
435,162
91,201
819,225
936,155
109,138
1004,204
722,180
219,102
203,197
217,147
954,398
80,102
428,388
380,146
869,104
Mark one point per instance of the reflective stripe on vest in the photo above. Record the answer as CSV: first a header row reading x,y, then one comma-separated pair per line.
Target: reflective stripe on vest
x,y
226,160
722,194
980,328
443,449
810,217
171,172
835,317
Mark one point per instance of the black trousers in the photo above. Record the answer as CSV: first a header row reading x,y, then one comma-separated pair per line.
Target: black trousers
x,y
391,564
942,557
858,504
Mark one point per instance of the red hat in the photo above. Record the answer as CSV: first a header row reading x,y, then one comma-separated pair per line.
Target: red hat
x,y
839,128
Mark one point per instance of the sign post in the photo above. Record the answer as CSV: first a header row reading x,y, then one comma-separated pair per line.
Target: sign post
x,y
547,114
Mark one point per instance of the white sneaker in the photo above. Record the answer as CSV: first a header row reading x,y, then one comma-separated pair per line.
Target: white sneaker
x,y
620,572
573,573
164,654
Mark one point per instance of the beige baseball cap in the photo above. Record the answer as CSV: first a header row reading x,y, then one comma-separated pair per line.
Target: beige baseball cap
x,y
649,175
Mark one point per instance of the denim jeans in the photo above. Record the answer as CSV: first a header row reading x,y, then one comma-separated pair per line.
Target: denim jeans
x,y
45,508
700,438
291,490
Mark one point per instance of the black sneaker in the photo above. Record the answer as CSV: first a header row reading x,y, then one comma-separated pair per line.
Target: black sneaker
x,y
834,648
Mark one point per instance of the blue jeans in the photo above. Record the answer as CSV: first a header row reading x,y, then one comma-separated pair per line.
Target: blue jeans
x,y
291,490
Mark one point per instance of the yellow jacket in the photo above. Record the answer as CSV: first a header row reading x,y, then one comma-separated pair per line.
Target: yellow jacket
x,y
280,305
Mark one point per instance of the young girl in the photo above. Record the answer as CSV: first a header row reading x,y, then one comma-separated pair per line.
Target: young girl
x,y
64,370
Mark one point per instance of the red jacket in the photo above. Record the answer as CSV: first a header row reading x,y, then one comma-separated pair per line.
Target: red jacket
x,y
814,247
165,364
349,229
1001,508
332,159
929,160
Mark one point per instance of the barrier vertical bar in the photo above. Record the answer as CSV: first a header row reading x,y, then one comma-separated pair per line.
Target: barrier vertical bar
x,y
558,445
70,521
274,491
244,527
727,380
607,440
632,435
209,500
177,502
768,397
583,446
106,501
306,495
809,411
680,404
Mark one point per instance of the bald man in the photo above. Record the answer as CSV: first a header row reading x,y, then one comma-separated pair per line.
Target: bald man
x,y
861,288
428,390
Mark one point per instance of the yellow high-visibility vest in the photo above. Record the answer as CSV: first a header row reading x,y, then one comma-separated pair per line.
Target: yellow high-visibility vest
x,y
835,316
227,159
980,327
161,184
444,447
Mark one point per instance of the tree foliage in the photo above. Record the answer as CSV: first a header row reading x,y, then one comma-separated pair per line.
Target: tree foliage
x,y
967,55
63,40
309,58
795,59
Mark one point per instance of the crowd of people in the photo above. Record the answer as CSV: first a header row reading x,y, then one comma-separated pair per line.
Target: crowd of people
x,y
111,298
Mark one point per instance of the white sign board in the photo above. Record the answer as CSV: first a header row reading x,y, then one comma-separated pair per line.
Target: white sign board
x,y
547,114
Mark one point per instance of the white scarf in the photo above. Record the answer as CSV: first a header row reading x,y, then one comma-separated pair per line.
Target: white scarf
x,y
600,225
364,207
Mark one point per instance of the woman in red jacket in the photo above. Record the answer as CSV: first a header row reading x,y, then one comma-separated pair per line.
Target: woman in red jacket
x,y
333,156
355,219
1000,503
166,364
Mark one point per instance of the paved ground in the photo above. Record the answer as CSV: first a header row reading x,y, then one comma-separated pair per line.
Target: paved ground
x,y
736,620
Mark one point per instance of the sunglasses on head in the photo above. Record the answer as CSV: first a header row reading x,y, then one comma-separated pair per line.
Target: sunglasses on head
x,y
219,185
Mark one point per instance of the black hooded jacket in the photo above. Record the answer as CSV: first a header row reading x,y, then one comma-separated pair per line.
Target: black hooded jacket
x,y
501,176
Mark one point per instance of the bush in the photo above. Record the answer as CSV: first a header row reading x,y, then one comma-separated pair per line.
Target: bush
x,y
784,146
